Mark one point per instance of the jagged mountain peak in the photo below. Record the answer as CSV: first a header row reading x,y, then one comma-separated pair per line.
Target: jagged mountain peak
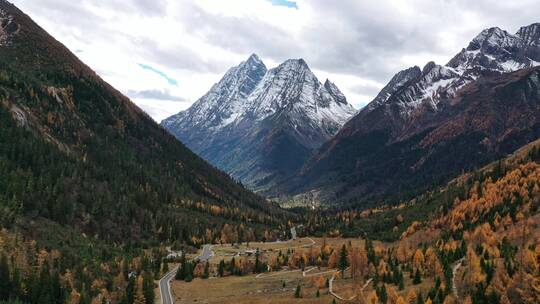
x,y
254,58
253,63
494,37
226,100
400,80
428,67
431,69
335,92
493,50
530,34
299,65
292,86
260,135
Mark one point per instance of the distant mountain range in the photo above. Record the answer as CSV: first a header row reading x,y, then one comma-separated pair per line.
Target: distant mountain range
x,y
261,125
277,130
429,124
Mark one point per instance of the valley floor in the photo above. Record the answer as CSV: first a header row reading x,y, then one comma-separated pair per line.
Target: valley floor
x,y
280,286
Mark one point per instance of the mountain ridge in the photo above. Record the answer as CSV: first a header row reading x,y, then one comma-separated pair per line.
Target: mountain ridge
x,y
98,143
403,121
286,115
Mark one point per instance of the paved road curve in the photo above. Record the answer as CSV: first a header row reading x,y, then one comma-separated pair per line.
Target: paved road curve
x,y
164,282
207,253
165,287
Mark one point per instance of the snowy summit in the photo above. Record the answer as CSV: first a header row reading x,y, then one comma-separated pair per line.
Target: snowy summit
x,y
253,118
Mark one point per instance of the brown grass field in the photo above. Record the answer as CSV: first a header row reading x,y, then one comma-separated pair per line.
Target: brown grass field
x,y
249,289
268,287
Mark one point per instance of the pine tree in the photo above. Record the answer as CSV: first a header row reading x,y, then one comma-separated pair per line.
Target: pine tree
x,y
420,299
125,269
45,287
298,292
130,290
417,277
16,288
188,272
221,268
343,260
181,272
58,292
382,293
85,298
5,281
148,288
165,267
232,266
206,273
257,268
401,283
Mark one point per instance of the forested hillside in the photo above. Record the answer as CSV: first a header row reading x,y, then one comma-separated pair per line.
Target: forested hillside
x,y
91,183
474,241
477,239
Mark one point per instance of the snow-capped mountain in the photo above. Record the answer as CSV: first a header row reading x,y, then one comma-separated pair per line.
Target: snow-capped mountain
x,y
260,125
427,125
225,101
492,51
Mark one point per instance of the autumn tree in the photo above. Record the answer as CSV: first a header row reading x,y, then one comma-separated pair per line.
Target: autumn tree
x,y
333,260
411,296
359,263
474,271
418,259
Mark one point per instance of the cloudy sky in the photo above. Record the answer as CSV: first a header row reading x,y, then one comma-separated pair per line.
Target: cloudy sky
x,y
165,54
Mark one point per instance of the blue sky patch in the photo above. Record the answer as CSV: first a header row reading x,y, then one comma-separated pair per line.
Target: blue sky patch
x,y
170,80
289,4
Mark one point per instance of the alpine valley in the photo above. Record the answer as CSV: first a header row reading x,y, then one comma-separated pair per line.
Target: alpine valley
x,y
276,130
428,195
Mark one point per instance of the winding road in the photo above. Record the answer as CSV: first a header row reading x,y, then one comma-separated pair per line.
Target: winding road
x,y
165,287
165,281
206,254
332,292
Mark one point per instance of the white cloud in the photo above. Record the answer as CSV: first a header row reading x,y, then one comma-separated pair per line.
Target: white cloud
x,y
358,45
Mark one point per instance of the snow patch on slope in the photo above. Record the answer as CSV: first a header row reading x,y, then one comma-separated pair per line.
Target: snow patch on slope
x,y
493,50
249,94
432,91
